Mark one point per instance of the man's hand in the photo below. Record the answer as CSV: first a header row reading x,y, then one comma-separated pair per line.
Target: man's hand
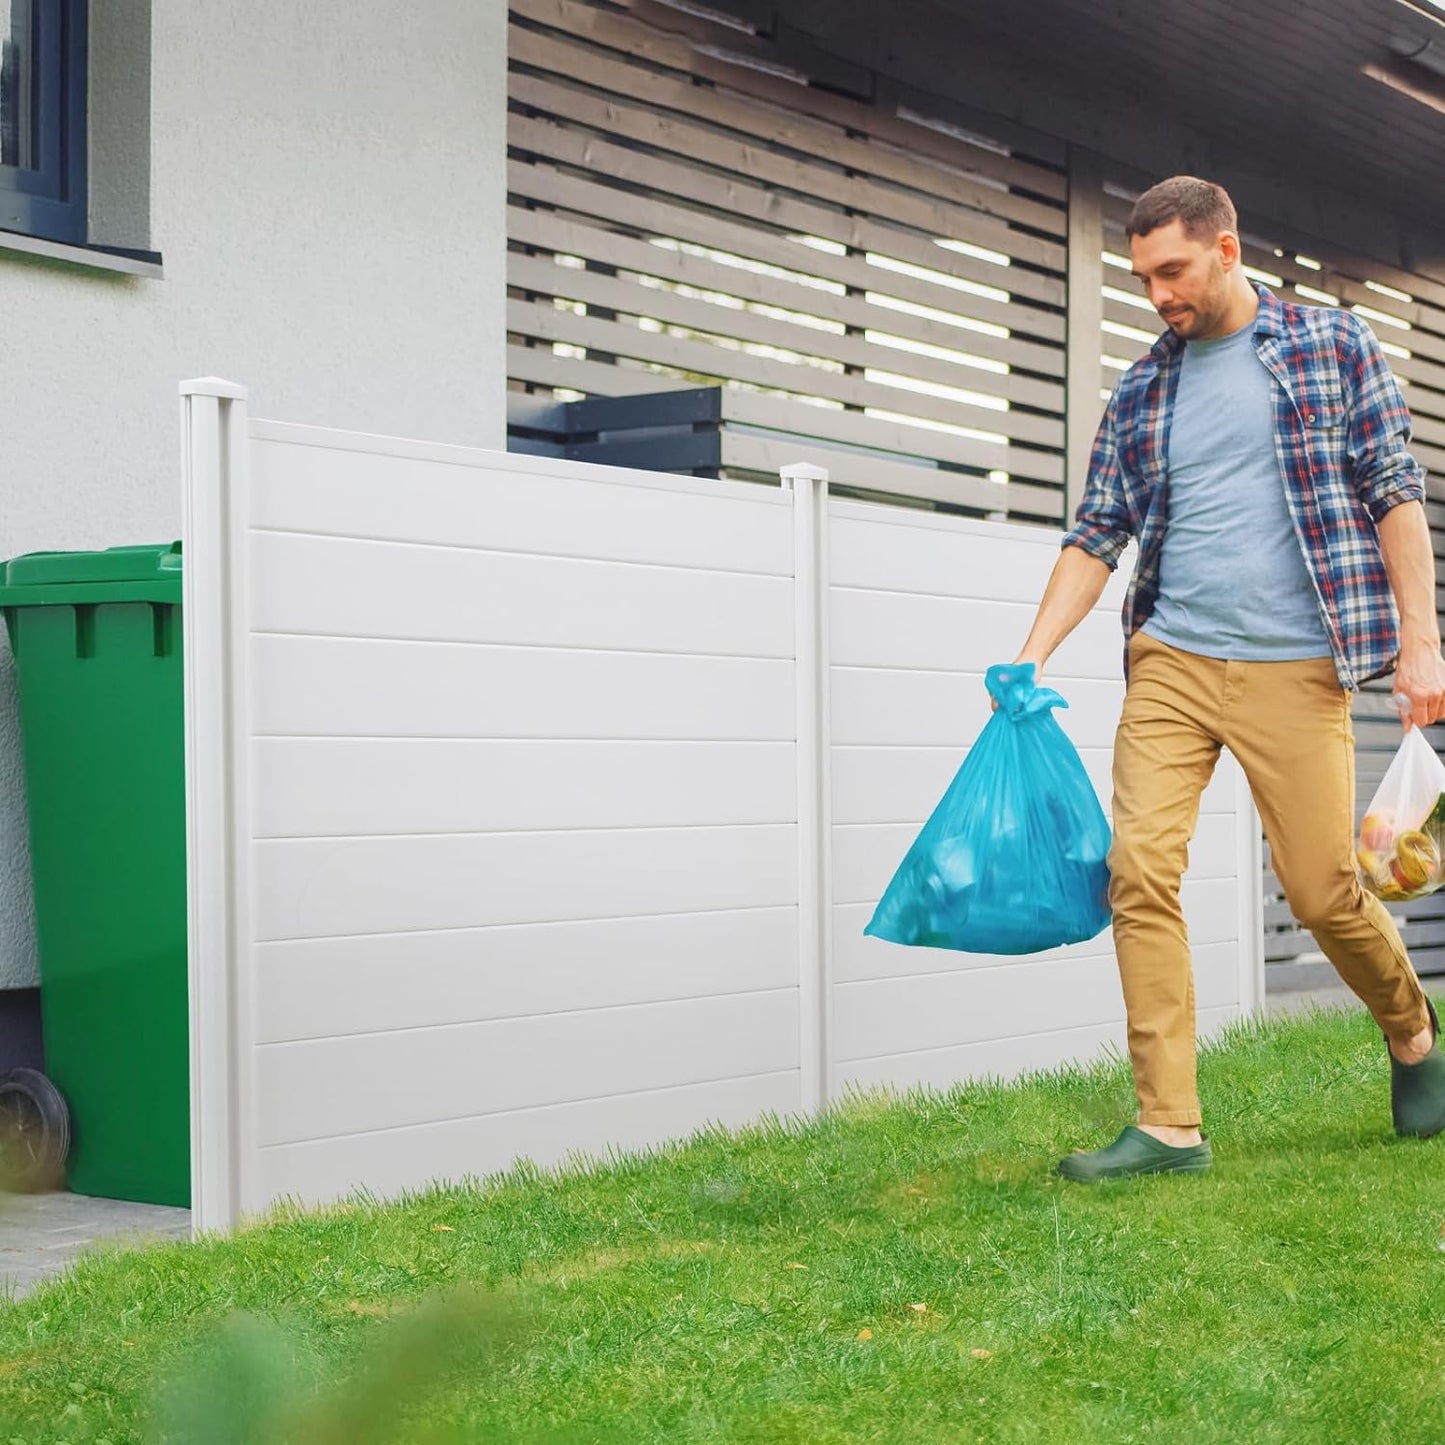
x,y
1420,677
1038,675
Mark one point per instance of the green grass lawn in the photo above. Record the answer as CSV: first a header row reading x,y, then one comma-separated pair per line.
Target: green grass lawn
x,y
907,1270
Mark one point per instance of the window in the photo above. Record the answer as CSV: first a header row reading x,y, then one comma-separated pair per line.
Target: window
x,y
42,118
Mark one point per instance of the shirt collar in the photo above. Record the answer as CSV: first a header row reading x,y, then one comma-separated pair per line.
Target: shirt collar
x,y
1268,321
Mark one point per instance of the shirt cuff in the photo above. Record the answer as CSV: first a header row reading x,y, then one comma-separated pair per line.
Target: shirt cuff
x,y
1406,487
1101,542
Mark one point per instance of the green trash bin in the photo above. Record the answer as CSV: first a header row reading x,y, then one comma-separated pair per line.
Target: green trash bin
x,y
97,644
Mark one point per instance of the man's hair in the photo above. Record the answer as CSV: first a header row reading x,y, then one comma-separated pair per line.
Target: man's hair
x,y
1204,208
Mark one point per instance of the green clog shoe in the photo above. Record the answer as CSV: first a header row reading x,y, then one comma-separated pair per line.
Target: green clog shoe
x,y
1135,1152
1417,1091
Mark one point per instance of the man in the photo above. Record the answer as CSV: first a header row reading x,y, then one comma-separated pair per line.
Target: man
x,y
1258,454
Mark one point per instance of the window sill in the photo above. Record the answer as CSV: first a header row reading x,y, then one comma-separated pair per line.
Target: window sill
x,y
94,258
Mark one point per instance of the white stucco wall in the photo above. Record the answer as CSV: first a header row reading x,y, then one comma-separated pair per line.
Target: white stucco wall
x,y
327,188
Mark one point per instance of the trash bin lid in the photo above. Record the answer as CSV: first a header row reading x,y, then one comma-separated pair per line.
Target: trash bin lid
x,y
117,574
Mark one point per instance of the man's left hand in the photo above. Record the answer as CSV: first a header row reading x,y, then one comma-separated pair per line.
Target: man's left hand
x,y
1421,678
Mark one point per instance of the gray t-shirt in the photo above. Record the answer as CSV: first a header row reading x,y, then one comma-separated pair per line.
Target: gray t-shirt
x,y
1232,578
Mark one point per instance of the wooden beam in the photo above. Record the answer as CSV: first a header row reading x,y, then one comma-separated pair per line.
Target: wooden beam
x,y
1085,370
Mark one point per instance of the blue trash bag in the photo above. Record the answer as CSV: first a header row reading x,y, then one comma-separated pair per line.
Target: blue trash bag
x,y
1013,859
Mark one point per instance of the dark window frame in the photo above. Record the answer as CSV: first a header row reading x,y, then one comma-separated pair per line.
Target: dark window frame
x,y
49,201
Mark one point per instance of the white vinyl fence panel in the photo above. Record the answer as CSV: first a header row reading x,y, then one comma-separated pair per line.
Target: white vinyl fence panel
x,y
537,807
921,606
511,823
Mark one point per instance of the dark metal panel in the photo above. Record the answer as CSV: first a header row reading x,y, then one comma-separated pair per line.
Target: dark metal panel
x,y
677,452
625,413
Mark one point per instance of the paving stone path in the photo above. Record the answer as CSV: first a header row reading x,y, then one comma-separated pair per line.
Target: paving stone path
x,y
40,1234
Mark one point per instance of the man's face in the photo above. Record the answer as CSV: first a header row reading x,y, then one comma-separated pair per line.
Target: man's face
x,y
1186,280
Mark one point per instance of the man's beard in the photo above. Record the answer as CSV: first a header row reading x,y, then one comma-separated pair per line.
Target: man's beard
x,y
1191,322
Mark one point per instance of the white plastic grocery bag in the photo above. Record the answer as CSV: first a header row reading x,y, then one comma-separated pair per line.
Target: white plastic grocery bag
x,y
1402,837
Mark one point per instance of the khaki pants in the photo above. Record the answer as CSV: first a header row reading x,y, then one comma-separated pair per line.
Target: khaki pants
x,y
1288,725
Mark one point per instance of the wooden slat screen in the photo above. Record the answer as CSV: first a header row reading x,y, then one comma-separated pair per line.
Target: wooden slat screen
x,y
1407,313
683,212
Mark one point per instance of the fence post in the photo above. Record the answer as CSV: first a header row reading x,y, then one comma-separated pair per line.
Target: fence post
x,y
213,462
809,486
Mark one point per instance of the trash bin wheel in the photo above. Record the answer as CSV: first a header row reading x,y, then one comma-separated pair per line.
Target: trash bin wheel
x,y
34,1132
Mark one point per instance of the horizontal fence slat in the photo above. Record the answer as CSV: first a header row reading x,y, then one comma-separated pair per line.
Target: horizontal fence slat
x,y
1426,379
541,366
327,687
1019,157
701,358
538,511
828,148
742,452
982,223
783,95
858,429
544,277
764,243
332,987
1429,438
738,193
546,230
1282,946
1125,315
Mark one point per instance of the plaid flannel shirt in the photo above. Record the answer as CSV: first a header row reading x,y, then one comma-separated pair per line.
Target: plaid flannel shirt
x,y
1341,432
